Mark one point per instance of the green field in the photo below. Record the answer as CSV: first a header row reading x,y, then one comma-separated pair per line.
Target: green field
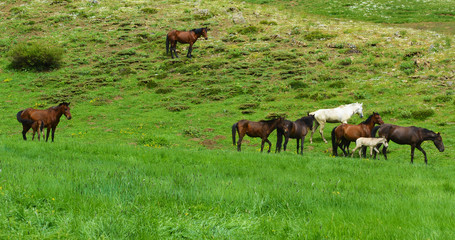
x,y
149,154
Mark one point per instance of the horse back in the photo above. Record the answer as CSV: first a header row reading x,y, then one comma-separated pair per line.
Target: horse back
x,y
399,134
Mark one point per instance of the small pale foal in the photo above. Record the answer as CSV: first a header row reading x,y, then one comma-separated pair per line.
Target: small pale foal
x,y
368,142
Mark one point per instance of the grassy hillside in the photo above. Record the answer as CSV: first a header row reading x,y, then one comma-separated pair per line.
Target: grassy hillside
x,y
136,109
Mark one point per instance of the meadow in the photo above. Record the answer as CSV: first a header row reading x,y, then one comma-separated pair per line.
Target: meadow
x,y
148,153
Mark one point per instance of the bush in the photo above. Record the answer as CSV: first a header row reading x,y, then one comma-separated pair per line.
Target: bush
x,y
422,114
39,56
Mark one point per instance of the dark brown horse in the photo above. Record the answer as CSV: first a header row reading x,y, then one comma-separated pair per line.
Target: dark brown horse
x,y
296,130
189,37
260,129
38,119
344,134
413,136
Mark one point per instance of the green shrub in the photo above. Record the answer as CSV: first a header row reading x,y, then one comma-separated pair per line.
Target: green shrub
x,y
345,62
337,84
443,99
318,35
422,114
298,84
149,10
39,56
248,30
408,67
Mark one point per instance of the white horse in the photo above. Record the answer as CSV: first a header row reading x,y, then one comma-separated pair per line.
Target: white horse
x,y
340,114
369,142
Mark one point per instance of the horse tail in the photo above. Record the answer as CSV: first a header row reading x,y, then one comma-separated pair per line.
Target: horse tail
x,y
334,143
234,129
167,44
23,121
374,130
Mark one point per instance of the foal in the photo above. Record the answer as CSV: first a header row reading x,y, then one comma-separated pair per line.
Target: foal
x,y
369,142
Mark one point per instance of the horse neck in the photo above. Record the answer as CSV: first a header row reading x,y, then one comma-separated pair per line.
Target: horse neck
x,y
59,111
430,135
273,125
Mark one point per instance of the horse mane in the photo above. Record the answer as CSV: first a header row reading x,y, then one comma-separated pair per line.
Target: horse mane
x,y
269,121
308,120
346,105
369,119
197,30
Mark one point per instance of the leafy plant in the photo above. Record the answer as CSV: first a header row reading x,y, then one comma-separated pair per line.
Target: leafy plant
x,y
36,55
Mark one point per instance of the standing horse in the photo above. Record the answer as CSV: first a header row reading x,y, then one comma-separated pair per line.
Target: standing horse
x,y
38,119
260,129
413,136
296,130
340,114
189,37
346,133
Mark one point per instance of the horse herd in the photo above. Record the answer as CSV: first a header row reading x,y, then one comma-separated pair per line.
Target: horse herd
x,y
363,134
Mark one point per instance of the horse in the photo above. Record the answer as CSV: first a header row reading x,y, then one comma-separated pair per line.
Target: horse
x,y
260,129
412,135
189,37
343,134
296,130
369,142
340,114
38,119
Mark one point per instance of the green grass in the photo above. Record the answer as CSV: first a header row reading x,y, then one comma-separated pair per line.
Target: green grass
x,y
148,153
79,190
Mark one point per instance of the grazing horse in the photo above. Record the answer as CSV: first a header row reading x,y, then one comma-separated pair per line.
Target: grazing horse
x,y
413,136
296,130
260,129
369,142
38,119
340,114
189,37
346,133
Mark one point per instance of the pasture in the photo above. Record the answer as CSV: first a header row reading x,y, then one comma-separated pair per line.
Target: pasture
x,y
148,152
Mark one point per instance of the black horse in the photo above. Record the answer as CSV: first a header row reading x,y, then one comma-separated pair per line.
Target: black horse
x,y
413,136
296,130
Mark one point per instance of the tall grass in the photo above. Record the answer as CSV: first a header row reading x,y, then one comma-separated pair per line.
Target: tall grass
x,y
77,190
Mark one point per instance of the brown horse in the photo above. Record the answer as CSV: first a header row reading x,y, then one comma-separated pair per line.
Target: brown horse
x,y
346,133
413,136
189,37
38,119
296,130
260,129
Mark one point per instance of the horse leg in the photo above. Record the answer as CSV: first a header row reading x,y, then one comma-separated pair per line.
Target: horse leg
x,y
47,133
353,151
412,153
262,145
321,131
190,50
270,145
384,152
424,153
364,150
53,131
286,139
301,146
174,48
25,129
298,144
316,125
375,151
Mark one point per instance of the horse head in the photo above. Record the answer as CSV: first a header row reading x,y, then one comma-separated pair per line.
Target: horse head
x,y
359,110
384,141
282,124
377,118
66,110
438,142
204,33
